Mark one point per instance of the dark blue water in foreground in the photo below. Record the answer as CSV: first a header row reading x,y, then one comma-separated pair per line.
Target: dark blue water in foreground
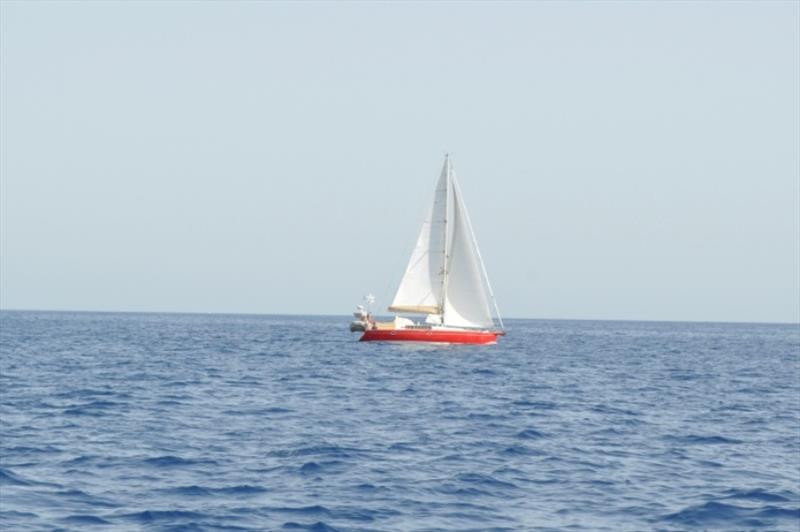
x,y
207,422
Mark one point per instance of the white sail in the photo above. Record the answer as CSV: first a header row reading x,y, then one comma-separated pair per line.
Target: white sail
x,y
466,301
420,289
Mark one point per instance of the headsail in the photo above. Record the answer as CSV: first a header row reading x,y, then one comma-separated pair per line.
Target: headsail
x,y
420,290
466,302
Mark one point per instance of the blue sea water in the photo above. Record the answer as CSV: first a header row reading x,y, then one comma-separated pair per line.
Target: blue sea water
x,y
232,422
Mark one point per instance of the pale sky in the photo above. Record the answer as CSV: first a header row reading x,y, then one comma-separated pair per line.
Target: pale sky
x,y
620,160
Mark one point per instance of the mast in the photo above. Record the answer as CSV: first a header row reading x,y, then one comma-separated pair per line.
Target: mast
x,y
446,250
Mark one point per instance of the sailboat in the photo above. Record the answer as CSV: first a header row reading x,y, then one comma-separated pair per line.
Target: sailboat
x,y
445,280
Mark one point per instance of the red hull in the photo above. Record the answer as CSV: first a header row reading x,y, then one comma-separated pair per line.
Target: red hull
x,y
431,335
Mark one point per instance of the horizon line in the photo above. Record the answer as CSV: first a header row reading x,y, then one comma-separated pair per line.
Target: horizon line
x,y
206,313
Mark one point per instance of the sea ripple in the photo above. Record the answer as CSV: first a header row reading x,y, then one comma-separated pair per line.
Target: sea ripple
x,y
233,422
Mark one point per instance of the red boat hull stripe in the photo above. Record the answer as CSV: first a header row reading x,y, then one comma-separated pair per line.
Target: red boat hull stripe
x,y
430,335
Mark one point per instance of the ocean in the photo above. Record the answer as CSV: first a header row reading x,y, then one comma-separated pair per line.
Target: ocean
x,y
245,422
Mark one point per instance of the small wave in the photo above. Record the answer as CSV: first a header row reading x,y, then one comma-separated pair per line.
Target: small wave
x,y
21,449
80,496
11,514
684,376
323,450
530,434
78,460
609,431
478,415
200,491
101,404
605,409
771,512
460,505
694,439
458,491
84,392
309,468
304,510
8,478
517,450
74,494
717,513
319,526
597,482
486,480
174,461
539,405
93,408
709,463
187,491
737,407
256,411
705,513
402,447
312,467
755,495
156,516
82,412
84,520
522,450
450,458
244,489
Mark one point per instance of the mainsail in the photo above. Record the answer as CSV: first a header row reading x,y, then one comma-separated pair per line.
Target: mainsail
x,y
445,274
420,290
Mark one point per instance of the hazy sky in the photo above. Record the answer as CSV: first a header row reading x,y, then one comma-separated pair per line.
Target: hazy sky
x,y
620,160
